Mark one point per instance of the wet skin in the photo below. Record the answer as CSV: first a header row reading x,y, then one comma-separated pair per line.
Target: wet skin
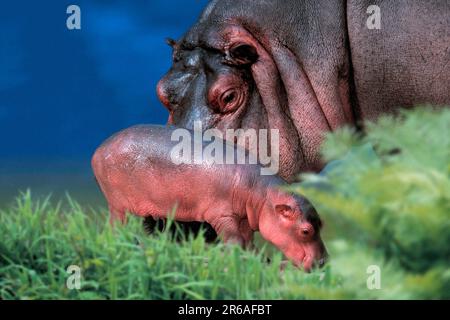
x,y
137,175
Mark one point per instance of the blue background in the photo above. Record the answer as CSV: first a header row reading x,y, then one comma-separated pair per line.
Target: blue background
x,y
62,92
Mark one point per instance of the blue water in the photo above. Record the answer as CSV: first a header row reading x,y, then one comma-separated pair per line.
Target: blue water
x,y
62,92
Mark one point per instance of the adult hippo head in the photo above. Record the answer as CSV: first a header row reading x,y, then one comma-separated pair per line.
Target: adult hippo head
x,y
304,68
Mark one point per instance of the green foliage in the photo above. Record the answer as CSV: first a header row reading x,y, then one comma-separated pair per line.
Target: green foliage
x,y
390,191
385,201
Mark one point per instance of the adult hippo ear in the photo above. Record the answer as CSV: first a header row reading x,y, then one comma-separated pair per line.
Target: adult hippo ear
x,y
172,43
245,50
241,54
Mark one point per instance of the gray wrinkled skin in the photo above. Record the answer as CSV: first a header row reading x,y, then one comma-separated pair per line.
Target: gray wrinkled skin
x,y
307,67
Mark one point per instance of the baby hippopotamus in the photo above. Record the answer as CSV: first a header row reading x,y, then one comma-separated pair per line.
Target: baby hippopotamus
x,y
136,171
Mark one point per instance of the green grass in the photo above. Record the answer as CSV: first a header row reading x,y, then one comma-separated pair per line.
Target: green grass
x,y
390,210
39,241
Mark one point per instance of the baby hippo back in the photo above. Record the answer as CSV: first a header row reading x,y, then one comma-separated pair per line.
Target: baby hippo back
x,y
139,172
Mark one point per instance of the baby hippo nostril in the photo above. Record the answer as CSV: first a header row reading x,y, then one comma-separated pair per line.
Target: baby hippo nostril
x,y
323,258
321,262
305,232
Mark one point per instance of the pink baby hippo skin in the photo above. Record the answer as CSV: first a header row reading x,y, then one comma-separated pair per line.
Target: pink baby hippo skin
x,y
137,175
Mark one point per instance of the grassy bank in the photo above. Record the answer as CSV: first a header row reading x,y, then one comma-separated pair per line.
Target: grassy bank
x,y
386,211
40,241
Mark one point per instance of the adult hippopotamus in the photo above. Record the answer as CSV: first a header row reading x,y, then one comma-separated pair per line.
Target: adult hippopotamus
x,y
141,170
306,67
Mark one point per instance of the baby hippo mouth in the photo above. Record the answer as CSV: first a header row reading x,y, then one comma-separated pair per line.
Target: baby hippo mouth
x,y
312,252
315,255
309,255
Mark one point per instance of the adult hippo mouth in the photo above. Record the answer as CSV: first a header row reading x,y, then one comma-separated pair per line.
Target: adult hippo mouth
x,y
305,68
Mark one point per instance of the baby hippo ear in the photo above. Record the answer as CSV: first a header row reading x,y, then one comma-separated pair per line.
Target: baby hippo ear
x,y
285,211
242,54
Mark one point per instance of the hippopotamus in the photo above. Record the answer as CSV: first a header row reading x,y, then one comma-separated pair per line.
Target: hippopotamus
x,y
307,67
139,172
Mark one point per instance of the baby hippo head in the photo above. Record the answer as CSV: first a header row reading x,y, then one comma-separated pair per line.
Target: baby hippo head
x,y
292,224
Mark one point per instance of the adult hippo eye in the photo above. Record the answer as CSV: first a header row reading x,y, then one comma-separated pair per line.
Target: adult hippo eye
x,y
229,100
227,94
228,97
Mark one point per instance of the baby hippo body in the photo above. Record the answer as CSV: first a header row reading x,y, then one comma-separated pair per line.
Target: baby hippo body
x,y
139,172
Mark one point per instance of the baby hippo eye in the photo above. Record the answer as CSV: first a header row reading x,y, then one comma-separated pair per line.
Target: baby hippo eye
x,y
306,231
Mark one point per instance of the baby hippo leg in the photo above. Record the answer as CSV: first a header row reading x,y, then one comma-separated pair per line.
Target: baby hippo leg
x,y
150,224
246,232
231,229
116,215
